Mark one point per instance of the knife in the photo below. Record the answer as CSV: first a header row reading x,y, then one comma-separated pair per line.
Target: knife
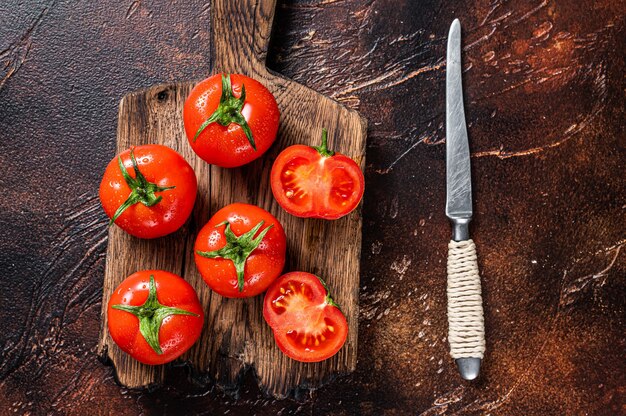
x,y
466,330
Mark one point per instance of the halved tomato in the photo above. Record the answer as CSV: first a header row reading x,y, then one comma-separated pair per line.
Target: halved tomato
x,y
316,182
308,325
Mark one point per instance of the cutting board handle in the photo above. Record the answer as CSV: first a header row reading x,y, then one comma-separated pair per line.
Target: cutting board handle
x,y
241,34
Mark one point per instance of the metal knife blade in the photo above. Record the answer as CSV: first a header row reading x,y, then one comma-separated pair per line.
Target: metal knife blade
x,y
458,176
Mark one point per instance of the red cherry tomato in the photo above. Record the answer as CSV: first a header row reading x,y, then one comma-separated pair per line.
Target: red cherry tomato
x,y
316,182
240,251
148,191
226,127
154,316
308,326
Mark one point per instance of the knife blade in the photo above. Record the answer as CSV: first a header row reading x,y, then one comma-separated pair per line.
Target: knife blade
x,y
458,177
465,310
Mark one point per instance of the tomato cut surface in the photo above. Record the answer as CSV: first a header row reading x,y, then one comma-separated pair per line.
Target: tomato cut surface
x,y
314,182
308,326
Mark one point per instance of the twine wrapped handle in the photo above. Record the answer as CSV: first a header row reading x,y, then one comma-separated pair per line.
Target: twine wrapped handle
x,y
466,331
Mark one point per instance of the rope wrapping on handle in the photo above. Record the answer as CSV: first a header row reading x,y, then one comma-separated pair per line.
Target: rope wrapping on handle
x,y
466,331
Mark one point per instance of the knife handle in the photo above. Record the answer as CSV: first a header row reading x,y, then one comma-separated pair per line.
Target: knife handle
x,y
466,327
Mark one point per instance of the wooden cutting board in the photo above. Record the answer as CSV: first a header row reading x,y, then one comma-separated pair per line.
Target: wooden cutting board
x,y
235,337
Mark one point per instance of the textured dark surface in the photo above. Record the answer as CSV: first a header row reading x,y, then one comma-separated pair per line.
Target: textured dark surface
x,y
545,105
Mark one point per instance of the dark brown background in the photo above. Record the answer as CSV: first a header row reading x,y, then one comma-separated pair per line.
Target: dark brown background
x,y
545,106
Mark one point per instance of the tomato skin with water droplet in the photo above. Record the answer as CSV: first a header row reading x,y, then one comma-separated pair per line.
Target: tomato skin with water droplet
x,y
177,333
263,265
310,185
307,325
228,146
160,165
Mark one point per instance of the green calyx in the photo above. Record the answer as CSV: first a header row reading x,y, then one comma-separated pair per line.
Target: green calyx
x,y
151,315
329,300
238,249
229,111
141,190
323,149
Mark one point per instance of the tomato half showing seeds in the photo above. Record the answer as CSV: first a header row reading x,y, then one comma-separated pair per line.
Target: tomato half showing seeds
x,y
154,316
240,251
148,191
230,120
308,325
316,182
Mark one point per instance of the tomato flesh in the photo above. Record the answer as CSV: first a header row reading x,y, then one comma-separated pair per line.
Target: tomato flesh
x,y
307,184
307,326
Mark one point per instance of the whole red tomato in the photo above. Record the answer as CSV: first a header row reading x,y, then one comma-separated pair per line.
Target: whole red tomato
x,y
148,191
154,316
240,251
308,325
230,120
316,182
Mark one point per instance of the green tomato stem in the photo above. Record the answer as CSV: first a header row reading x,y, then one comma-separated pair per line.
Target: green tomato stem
x,y
323,149
238,249
151,315
141,190
229,111
329,300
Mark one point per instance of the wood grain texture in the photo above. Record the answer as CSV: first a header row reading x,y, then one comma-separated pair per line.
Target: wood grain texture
x,y
235,336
